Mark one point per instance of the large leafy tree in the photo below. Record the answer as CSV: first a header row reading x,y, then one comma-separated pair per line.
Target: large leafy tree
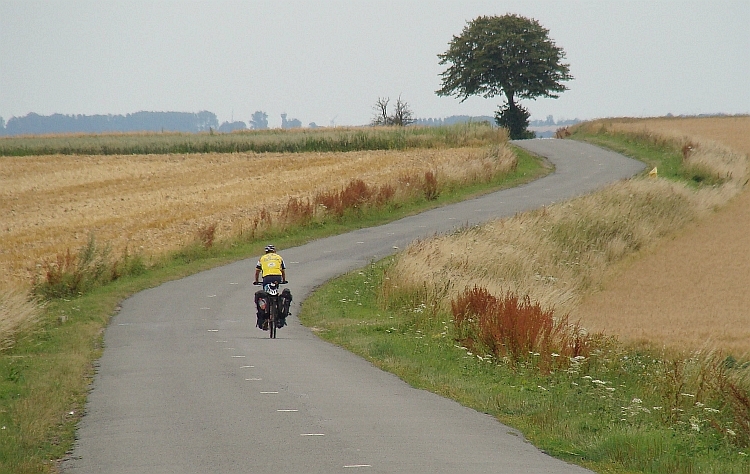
x,y
509,55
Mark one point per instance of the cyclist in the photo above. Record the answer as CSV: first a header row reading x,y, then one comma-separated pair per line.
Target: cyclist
x,y
271,267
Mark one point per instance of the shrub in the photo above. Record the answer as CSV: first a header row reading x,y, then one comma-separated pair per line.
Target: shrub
x,y
430,186
73,274
514,328
206,235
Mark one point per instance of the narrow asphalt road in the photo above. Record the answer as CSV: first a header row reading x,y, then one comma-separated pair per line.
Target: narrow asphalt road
x,y
187,384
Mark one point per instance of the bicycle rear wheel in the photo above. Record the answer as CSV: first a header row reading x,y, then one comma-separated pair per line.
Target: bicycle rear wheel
x,y
272,313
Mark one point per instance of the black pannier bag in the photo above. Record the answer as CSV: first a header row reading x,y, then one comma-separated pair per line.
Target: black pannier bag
x,y
261,303
286,300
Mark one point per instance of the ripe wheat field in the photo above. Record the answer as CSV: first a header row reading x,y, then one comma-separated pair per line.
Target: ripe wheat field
x,y
692,290
151,204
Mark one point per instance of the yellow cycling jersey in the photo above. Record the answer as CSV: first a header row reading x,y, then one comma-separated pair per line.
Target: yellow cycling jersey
x,y
270,264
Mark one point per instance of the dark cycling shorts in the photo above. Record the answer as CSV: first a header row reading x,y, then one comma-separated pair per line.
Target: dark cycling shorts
x,y
268,279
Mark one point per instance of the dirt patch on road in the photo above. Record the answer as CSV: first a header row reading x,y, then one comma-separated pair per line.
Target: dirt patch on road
x,y
692,291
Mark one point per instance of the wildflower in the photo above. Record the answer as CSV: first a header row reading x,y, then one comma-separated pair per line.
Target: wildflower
x,y
695,423
731,432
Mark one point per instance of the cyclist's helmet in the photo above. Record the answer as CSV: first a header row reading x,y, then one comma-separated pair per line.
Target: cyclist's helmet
x,y
270,248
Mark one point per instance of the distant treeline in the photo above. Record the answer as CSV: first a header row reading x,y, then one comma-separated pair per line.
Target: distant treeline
x,y
184,122
35,124
452,120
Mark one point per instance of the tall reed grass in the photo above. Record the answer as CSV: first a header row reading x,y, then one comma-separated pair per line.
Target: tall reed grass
x,y
261,141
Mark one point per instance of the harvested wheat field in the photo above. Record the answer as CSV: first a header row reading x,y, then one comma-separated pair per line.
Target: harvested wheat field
x,y
693,290
151,204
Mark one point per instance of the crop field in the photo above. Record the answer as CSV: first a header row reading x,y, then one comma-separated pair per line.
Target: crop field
x,y
153,203
691,291
730,131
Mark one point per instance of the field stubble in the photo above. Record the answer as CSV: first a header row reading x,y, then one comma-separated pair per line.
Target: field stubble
x,y
156,203
688,291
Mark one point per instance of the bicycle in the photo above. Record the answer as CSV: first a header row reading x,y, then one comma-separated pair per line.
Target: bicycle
x,y
274,304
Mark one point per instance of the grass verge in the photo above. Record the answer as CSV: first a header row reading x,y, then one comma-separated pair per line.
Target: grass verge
x,y
46,372
619,410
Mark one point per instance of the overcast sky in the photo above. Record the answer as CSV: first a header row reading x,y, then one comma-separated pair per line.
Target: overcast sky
x,y
328,61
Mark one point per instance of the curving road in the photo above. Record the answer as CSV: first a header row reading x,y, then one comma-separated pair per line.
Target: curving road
x,y
187,384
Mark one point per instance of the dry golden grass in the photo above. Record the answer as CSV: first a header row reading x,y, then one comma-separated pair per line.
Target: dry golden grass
x,y
567,252
555,255
16,312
